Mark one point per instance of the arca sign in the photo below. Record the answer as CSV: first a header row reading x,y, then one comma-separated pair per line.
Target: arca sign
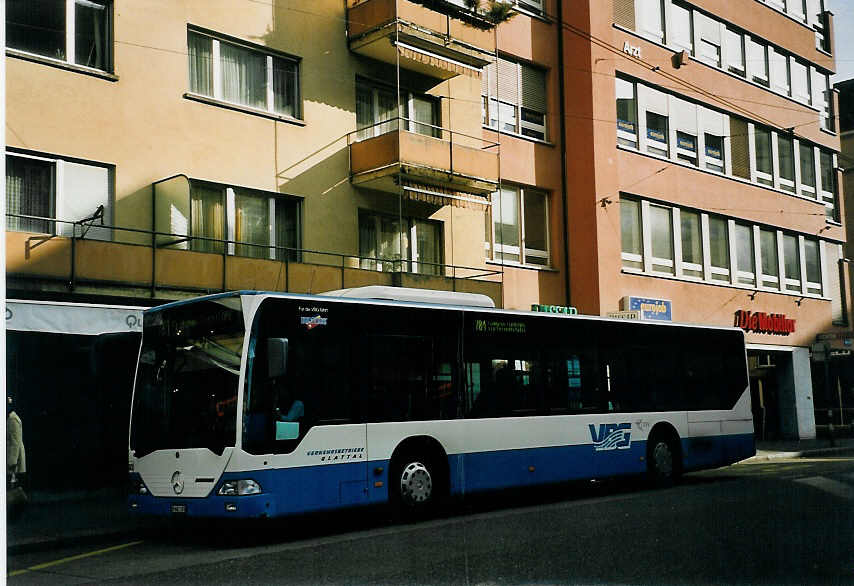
x,y
764,323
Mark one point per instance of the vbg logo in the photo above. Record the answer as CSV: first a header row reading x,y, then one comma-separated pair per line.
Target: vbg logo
x,y
611,436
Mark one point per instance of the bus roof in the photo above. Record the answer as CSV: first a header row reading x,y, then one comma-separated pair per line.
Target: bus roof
x,y
428,302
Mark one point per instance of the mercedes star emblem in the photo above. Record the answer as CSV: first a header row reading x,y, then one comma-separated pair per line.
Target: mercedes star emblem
x,y
177,483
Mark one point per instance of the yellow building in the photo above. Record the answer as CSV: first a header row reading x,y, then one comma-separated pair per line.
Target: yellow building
x,y
161,149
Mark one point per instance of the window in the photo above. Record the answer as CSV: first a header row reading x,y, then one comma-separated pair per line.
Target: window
x,y
692,244
800,82
684,118
514,98
263,225
719,249
807,156
826,103
657,134
812,256
828,182
627,113
712,129
734,52
769,258
29,192
74,31
791,263
650,14
376,110
520,226
388,243
631,233
681,33
780,76
661,231
422,115
242,75
786,162
56,193
744,255
757,61
764,164
708,33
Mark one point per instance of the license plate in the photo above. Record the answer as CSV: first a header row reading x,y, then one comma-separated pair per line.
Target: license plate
x,y
179,508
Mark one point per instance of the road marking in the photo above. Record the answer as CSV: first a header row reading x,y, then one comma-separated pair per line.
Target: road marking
x,y
73,558
833,487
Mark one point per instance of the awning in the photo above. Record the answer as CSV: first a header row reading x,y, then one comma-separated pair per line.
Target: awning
x,y
71,318
441,196
438,61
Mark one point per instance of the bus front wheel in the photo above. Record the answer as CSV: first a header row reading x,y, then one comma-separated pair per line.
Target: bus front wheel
x,y
662,461
415,486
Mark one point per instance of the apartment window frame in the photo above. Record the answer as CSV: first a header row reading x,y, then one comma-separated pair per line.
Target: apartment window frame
x,y
808,169
745,253
755,47
69,50
767,280
408,227
228,243
627,130
524,254
784,158
274,61
520,106
690,269
792,280
66,200
631,244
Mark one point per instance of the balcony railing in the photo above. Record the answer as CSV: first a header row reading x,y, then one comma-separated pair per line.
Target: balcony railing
x,y
439,43
383,156
80,263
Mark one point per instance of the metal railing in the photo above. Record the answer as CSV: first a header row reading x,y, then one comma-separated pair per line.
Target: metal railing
x,y
286,255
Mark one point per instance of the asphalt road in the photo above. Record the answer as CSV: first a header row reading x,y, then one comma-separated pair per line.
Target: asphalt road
x,y
778,522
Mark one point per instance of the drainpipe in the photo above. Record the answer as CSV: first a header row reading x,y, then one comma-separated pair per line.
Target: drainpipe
x,y
563,172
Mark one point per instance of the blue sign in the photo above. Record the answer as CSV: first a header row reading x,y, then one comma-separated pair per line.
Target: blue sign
x,y
654,309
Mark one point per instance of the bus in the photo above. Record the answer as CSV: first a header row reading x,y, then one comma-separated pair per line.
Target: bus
x,y
258,404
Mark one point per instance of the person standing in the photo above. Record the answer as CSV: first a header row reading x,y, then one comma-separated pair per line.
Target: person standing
x,y
16,457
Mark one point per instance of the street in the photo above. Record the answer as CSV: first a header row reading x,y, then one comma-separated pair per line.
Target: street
x,y
786,521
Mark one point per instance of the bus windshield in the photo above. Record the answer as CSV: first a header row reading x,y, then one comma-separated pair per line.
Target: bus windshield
x,y
186,387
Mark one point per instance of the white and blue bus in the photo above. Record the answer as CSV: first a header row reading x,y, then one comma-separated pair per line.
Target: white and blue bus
x,y
253,404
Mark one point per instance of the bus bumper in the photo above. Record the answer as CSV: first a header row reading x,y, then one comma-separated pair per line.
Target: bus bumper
x,y
243,507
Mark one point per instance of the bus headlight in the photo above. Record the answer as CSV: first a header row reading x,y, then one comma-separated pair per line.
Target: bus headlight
x,y
137,486
239,488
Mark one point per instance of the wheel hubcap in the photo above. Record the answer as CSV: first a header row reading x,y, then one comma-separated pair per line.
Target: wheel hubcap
x,y
416,484
663,459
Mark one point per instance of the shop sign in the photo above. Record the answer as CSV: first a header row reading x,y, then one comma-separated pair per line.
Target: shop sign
x,y
554,309
764,323
624,314
631,50
653,309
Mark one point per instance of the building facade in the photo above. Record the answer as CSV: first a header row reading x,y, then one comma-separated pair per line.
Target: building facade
x,y
709,190
675,158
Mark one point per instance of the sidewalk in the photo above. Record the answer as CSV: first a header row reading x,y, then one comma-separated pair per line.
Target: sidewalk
x,y
50,522
771,450
47,522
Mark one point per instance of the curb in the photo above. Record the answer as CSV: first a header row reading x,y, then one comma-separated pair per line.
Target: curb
x,y
762,456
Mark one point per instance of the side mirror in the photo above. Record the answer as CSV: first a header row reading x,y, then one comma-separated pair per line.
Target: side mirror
x,y
277,357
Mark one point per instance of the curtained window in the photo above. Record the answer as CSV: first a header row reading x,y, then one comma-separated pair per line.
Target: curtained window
x,y
390,243
207,217
243,75
29,192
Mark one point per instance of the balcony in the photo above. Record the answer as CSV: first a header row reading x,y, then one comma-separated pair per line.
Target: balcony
x,y
440,167
80,265
437,44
